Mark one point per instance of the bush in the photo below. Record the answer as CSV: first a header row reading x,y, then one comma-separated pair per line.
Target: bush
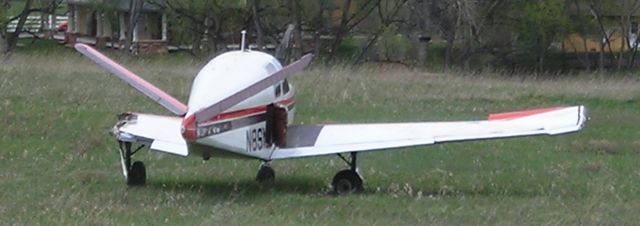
x,y
349,47
394,47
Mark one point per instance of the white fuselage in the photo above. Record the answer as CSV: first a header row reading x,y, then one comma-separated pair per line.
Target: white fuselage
x,y
238,131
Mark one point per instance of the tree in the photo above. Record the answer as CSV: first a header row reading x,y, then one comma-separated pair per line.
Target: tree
x,y
387,10
538,24
348,22
135,7
450,16
204,24
4,20
627,9
9,40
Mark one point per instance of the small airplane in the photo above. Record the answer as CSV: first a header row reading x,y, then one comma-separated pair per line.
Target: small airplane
x,y
242,106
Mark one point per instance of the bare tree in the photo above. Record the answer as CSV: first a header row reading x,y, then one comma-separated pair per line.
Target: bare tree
x,y
448,17
255,5
627,8
387,11
597,9
12,38
347,22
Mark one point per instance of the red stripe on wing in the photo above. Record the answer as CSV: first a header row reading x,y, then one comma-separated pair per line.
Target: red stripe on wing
x,y
520,114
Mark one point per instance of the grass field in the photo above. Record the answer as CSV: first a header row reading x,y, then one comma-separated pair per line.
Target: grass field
x,y
59,165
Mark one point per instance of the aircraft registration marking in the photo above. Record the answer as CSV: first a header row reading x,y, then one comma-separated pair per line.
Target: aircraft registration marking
x,y
255,139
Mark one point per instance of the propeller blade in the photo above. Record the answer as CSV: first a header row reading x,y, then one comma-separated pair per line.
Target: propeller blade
x,y
146,88
217,108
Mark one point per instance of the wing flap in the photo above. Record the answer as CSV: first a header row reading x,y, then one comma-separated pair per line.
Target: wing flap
x,y
332,139
162,132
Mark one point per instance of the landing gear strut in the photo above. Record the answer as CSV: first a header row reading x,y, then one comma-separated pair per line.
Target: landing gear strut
x,y
135,173
266,174
348,180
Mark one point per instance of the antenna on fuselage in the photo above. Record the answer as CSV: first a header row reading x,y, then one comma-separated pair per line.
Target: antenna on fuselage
x,y
244,33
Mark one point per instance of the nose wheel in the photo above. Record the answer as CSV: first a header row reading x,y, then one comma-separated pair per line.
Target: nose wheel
x,y
137,174
347,181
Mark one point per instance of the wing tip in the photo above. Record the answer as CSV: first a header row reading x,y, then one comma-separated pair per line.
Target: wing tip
x,y
81,47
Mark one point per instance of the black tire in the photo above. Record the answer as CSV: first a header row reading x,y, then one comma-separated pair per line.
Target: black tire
x,y
266,175
137,175
346,182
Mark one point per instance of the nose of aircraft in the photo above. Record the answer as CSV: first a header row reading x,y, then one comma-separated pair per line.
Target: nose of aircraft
x,y
188,128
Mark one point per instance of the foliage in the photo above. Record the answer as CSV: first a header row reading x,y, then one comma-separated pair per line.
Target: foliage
x,y
4,19
393,47
538,23
349,47
514,34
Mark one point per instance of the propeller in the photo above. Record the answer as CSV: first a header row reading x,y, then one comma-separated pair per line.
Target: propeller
x,y
146,88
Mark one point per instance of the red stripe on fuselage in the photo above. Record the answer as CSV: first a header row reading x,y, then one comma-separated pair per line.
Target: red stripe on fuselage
x,y
247,111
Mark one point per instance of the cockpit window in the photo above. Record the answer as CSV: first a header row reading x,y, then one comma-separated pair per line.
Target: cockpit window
x,y
270,68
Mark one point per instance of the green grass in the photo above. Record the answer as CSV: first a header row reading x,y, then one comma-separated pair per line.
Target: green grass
x,y
59,165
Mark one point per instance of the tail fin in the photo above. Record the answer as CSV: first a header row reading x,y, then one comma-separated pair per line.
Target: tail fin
x,y
146,88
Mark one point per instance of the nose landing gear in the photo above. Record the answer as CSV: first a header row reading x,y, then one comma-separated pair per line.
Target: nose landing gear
x,y
135,173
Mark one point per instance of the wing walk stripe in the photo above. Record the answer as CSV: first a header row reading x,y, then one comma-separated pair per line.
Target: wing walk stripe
x,y
303,135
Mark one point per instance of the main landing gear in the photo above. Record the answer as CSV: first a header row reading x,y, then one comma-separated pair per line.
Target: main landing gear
x,y
135,173
344,182
348,180
266,174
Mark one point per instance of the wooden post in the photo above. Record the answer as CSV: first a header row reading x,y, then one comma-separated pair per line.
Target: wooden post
x,y
100,37
135,33
123,29
164,27
70,35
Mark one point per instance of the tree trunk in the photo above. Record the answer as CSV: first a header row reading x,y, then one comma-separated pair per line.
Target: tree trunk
x,y
540,60
255,5
296,48
318,27
342,29
212,41
601,60
135,7
12,38
448,53
3,42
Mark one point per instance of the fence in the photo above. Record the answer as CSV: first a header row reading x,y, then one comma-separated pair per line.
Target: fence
x,y
36,24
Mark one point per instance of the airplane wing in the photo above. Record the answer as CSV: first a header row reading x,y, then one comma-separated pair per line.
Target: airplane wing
x,y
315,140
161,133
146,88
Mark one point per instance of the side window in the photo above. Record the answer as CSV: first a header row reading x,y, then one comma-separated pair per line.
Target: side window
x,y
278,90
285,86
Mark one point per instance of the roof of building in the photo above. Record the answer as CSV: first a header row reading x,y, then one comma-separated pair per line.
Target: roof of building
x,y
122,5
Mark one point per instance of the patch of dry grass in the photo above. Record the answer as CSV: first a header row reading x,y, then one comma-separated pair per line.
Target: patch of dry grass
x,y
599,146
